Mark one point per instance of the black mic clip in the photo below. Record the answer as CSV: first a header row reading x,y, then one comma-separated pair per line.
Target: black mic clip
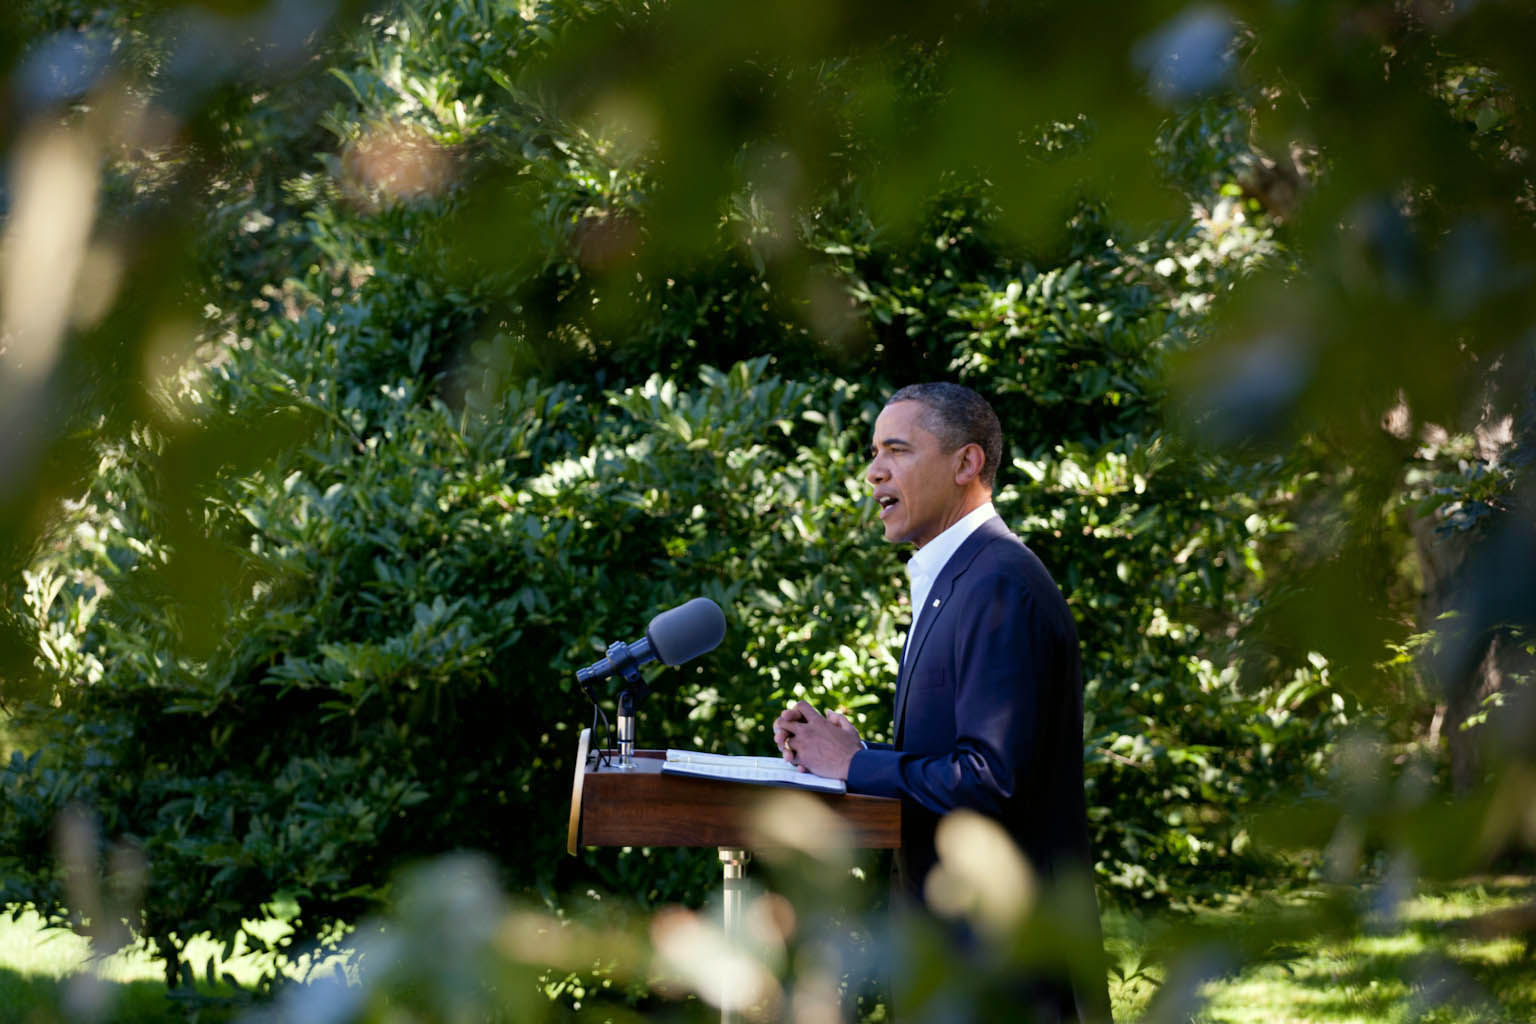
x,y
626,666
622,660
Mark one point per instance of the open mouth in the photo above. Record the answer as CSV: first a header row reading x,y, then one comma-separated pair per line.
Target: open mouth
x,y
886,502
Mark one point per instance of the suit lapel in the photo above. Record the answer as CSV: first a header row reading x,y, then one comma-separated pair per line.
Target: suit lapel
x,y
937,600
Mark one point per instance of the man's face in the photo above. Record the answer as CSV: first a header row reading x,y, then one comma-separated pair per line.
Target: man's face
x,y
913,477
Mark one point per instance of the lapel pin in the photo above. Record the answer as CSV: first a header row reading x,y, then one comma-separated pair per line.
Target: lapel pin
x,y
935,602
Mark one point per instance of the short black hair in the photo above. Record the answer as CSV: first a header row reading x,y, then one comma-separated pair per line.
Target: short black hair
x,y
958,416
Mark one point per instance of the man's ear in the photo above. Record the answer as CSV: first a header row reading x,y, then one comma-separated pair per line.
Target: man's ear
x,y
971,459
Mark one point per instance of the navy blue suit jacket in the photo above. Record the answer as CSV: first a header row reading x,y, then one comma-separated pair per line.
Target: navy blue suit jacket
x,y
989,716
989,710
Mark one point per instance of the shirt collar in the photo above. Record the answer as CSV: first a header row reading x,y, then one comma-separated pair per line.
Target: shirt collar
x,y
928,561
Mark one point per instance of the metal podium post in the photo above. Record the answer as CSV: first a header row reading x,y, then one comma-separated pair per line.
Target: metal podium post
x,y
733,863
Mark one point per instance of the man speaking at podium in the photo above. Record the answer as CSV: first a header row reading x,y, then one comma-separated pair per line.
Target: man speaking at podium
x,y
989,698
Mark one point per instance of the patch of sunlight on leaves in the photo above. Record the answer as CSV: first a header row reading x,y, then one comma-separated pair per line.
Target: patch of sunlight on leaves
x,y
1406,944
28,948
1508,950
1125,940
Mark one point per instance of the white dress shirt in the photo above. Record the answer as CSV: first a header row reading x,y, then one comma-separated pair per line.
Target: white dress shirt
x,y
928,561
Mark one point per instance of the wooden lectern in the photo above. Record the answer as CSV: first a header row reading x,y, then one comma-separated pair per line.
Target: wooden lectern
x,y
639,806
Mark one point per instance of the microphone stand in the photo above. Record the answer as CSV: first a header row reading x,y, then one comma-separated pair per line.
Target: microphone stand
x,y
625,666
637,690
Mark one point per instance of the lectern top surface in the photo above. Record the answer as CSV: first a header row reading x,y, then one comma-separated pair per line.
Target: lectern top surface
x,y
647,762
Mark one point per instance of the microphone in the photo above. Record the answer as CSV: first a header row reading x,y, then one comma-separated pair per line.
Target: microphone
x,y
677,635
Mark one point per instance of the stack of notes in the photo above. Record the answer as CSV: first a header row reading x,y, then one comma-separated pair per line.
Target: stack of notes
x,y
769,771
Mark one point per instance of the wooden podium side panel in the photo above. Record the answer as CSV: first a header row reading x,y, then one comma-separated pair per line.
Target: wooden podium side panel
x,y
642,807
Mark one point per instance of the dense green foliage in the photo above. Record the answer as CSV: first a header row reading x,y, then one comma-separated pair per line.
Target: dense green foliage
x,y
503,338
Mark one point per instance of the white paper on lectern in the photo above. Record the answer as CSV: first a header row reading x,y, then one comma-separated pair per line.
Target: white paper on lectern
x,y
770,771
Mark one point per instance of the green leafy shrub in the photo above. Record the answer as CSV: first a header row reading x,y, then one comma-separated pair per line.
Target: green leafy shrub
x,y
525,418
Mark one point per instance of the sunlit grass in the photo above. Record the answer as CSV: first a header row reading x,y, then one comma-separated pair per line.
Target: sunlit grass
x,y
1419,966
